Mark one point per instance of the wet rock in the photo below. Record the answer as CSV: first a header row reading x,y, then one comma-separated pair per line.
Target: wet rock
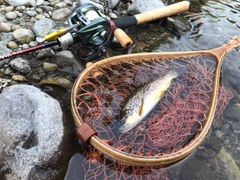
x,y
235,126
73,172
23,35
42,27
61,13
67,62
57,81
20,65
45,53
31,132
197,170
49,67
232,112
230,166
178,25
139,6
214,143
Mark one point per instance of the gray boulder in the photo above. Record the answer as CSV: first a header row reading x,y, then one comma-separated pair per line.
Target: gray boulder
x,y
31,131
140,6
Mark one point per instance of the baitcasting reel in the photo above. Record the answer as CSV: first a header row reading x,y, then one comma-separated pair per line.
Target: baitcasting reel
x,y
93,33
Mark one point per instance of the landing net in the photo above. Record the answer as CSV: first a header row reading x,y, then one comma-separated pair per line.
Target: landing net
x,y
176,120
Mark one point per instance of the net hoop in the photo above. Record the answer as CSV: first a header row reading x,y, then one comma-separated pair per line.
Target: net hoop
x,y
167,159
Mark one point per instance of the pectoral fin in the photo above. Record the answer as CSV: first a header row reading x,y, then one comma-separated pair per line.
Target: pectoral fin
x,y
141,107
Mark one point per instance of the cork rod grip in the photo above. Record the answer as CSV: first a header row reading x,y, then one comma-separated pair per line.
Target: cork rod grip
x,y
122,38
162,12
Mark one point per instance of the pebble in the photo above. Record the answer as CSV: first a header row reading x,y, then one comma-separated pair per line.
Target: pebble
x,y
61,13
21,65
12,45
33,43
4,27
31,13
11,15
138,7
45,53
23,35
39,2
112,15
42,27
15,27
18,2
112,3
39,17
2,18
25,46
68,2
53,2
18,78
49,67
39,10
9,9
60,5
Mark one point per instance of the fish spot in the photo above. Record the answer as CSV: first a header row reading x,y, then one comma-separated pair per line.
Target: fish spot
x,y
31,141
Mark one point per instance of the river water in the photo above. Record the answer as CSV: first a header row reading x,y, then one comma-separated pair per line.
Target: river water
x,y
213,23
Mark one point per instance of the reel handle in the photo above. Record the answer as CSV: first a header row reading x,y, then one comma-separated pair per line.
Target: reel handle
x,y
122,38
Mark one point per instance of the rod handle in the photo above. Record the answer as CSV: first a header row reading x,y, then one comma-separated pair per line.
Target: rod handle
x,y
162,12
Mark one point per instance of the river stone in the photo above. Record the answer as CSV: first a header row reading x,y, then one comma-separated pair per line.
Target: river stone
x,y
99,6
4,27
11,15
17,2
67,62
197,170
42,27
139,6
31,131
23,35
112,3
3,51
61,13
5,38
233,113
20,65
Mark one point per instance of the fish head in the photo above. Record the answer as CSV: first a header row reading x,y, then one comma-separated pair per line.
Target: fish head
x,y
128,121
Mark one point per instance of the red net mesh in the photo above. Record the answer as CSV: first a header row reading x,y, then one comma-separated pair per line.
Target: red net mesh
x,y
174,122
98,166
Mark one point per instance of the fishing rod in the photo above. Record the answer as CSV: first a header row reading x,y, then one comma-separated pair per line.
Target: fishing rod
x,y
94,33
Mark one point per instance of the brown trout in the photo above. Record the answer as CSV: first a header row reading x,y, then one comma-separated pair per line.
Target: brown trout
x,y
143,101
